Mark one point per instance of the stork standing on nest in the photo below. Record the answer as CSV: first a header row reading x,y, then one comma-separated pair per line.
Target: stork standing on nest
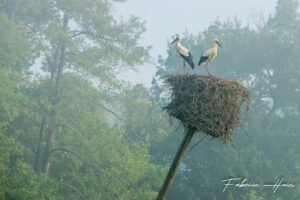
x,y
208,55
184,53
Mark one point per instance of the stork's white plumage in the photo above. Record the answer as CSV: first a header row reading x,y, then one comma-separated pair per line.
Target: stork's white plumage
x,y
208,55
184,53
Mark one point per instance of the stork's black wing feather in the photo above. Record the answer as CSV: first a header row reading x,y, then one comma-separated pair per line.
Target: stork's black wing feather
x,y
202,59
189,59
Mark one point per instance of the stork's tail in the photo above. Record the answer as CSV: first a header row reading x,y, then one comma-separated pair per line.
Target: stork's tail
x,y
200,63
202,60
191,63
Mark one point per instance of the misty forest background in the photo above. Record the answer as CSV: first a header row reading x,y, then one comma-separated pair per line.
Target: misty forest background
x,y
73,130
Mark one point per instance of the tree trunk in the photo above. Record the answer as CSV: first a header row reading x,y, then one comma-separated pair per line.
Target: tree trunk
x,y
53,120
37,162
175,165
49,145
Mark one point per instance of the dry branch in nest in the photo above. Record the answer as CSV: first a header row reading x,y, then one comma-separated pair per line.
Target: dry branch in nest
x,y
210,105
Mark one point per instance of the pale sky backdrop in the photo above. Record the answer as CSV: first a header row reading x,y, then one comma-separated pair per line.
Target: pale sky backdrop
x,y
165,18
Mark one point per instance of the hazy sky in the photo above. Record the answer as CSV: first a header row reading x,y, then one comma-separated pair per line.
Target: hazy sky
x,y
165,18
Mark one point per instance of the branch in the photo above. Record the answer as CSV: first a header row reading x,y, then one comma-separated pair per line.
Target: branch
x,y
197,143
82,138
94,167
75,189
107,109
77,33
71,152
75,154
153,63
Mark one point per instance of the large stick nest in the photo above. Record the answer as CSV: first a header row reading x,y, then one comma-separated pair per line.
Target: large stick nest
x,y
211,105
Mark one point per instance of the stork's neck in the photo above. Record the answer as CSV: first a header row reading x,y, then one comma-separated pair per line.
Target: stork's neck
x,y
178,42
216,48
216,45
178,45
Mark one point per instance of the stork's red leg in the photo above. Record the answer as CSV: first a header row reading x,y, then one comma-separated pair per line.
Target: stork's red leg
x,y
183,68
207,69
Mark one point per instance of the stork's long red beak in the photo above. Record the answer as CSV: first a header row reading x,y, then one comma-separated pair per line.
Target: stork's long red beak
x,y
219,44
174,41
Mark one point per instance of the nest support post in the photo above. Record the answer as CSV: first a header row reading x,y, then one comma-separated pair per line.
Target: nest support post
x,y
176,163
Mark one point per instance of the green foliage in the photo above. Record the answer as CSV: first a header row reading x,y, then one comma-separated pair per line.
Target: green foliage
x,y
109,167
17,178
91,157
15,50
27,11
143,118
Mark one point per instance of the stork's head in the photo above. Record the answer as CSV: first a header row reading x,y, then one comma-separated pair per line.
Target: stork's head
x,y
178,38
216,41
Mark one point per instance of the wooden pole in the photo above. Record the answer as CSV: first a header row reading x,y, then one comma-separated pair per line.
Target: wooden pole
x,y
175,165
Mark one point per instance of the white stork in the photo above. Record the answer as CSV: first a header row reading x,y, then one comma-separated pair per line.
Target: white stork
x,y
184,53
208,55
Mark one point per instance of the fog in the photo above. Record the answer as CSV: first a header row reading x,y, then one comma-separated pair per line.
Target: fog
x,y
164,19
